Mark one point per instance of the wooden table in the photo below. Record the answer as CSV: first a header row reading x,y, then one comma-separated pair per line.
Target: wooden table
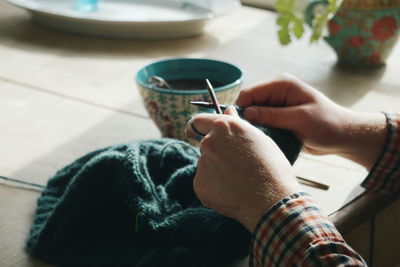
x,y
63,95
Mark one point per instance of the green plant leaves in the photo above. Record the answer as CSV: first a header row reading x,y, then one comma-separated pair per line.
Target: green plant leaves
x,y
284,36
283,21
285,5
321,19
291,23
298,28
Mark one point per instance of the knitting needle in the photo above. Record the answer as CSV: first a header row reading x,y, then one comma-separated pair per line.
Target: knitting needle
x,y
204,104
301,180
213,97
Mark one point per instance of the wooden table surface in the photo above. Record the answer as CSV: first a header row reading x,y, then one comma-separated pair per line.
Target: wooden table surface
x,y
63,95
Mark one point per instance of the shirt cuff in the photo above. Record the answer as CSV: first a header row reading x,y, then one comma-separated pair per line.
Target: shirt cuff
x,y
384,176
295,231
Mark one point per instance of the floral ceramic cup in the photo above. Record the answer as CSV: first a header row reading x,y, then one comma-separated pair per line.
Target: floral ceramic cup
x,y
170,109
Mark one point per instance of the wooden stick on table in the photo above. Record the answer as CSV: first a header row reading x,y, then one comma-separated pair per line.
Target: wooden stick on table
x,y
312,183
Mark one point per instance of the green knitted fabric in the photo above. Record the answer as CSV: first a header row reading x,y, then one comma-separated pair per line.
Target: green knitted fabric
x,y
132,205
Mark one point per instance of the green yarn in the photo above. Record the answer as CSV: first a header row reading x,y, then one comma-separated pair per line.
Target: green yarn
x,y
137,220
132,205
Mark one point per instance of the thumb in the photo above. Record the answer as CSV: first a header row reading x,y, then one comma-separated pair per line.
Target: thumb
x,y
200,124
231,111
276,117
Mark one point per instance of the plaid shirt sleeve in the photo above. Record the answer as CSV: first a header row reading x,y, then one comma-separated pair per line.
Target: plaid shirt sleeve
x,y
295,232
384,176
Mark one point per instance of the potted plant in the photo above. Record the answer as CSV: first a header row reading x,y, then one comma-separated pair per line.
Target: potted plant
x,y
362,32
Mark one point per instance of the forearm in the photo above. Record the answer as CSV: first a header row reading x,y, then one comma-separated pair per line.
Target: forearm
x,y
364,136
295,232
384,176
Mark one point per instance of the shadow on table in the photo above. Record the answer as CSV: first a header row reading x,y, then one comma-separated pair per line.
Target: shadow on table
x,y
350,85
19,31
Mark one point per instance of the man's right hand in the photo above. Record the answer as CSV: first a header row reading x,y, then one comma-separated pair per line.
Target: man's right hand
x,y
323,126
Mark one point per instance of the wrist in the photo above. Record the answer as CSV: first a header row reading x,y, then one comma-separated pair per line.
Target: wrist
x,y
364,137
254,214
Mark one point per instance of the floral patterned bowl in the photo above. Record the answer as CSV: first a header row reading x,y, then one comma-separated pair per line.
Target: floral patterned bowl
x,y
170,109
363,32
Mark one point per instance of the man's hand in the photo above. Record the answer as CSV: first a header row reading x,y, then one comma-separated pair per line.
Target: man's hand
x,y
323,126
241,172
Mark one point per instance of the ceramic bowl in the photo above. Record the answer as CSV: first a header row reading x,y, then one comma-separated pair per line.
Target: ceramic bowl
x,y
170,109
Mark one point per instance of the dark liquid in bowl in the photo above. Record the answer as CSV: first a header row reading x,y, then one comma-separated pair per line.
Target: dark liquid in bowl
x,y
192,84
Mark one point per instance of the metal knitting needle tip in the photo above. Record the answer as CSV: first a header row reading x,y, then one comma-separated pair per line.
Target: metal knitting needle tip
x,y
213,97
200,103
203,104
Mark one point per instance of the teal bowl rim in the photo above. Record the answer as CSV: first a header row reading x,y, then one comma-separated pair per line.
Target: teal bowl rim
x,y
190,92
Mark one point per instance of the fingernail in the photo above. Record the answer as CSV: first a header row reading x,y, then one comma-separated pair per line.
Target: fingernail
x,y
231,110
251,114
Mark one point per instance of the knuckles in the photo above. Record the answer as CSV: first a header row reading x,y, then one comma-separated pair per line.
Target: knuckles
x,y
221,129
237,126
222,125
305,114
242,98
207,145
228,125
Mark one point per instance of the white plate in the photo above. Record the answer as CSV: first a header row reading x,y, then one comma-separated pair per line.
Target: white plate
x,y
137,19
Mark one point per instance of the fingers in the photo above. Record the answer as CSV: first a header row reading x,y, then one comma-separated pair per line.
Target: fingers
x,y
202,124
288,91
276,117
263,93
231,111
312,151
